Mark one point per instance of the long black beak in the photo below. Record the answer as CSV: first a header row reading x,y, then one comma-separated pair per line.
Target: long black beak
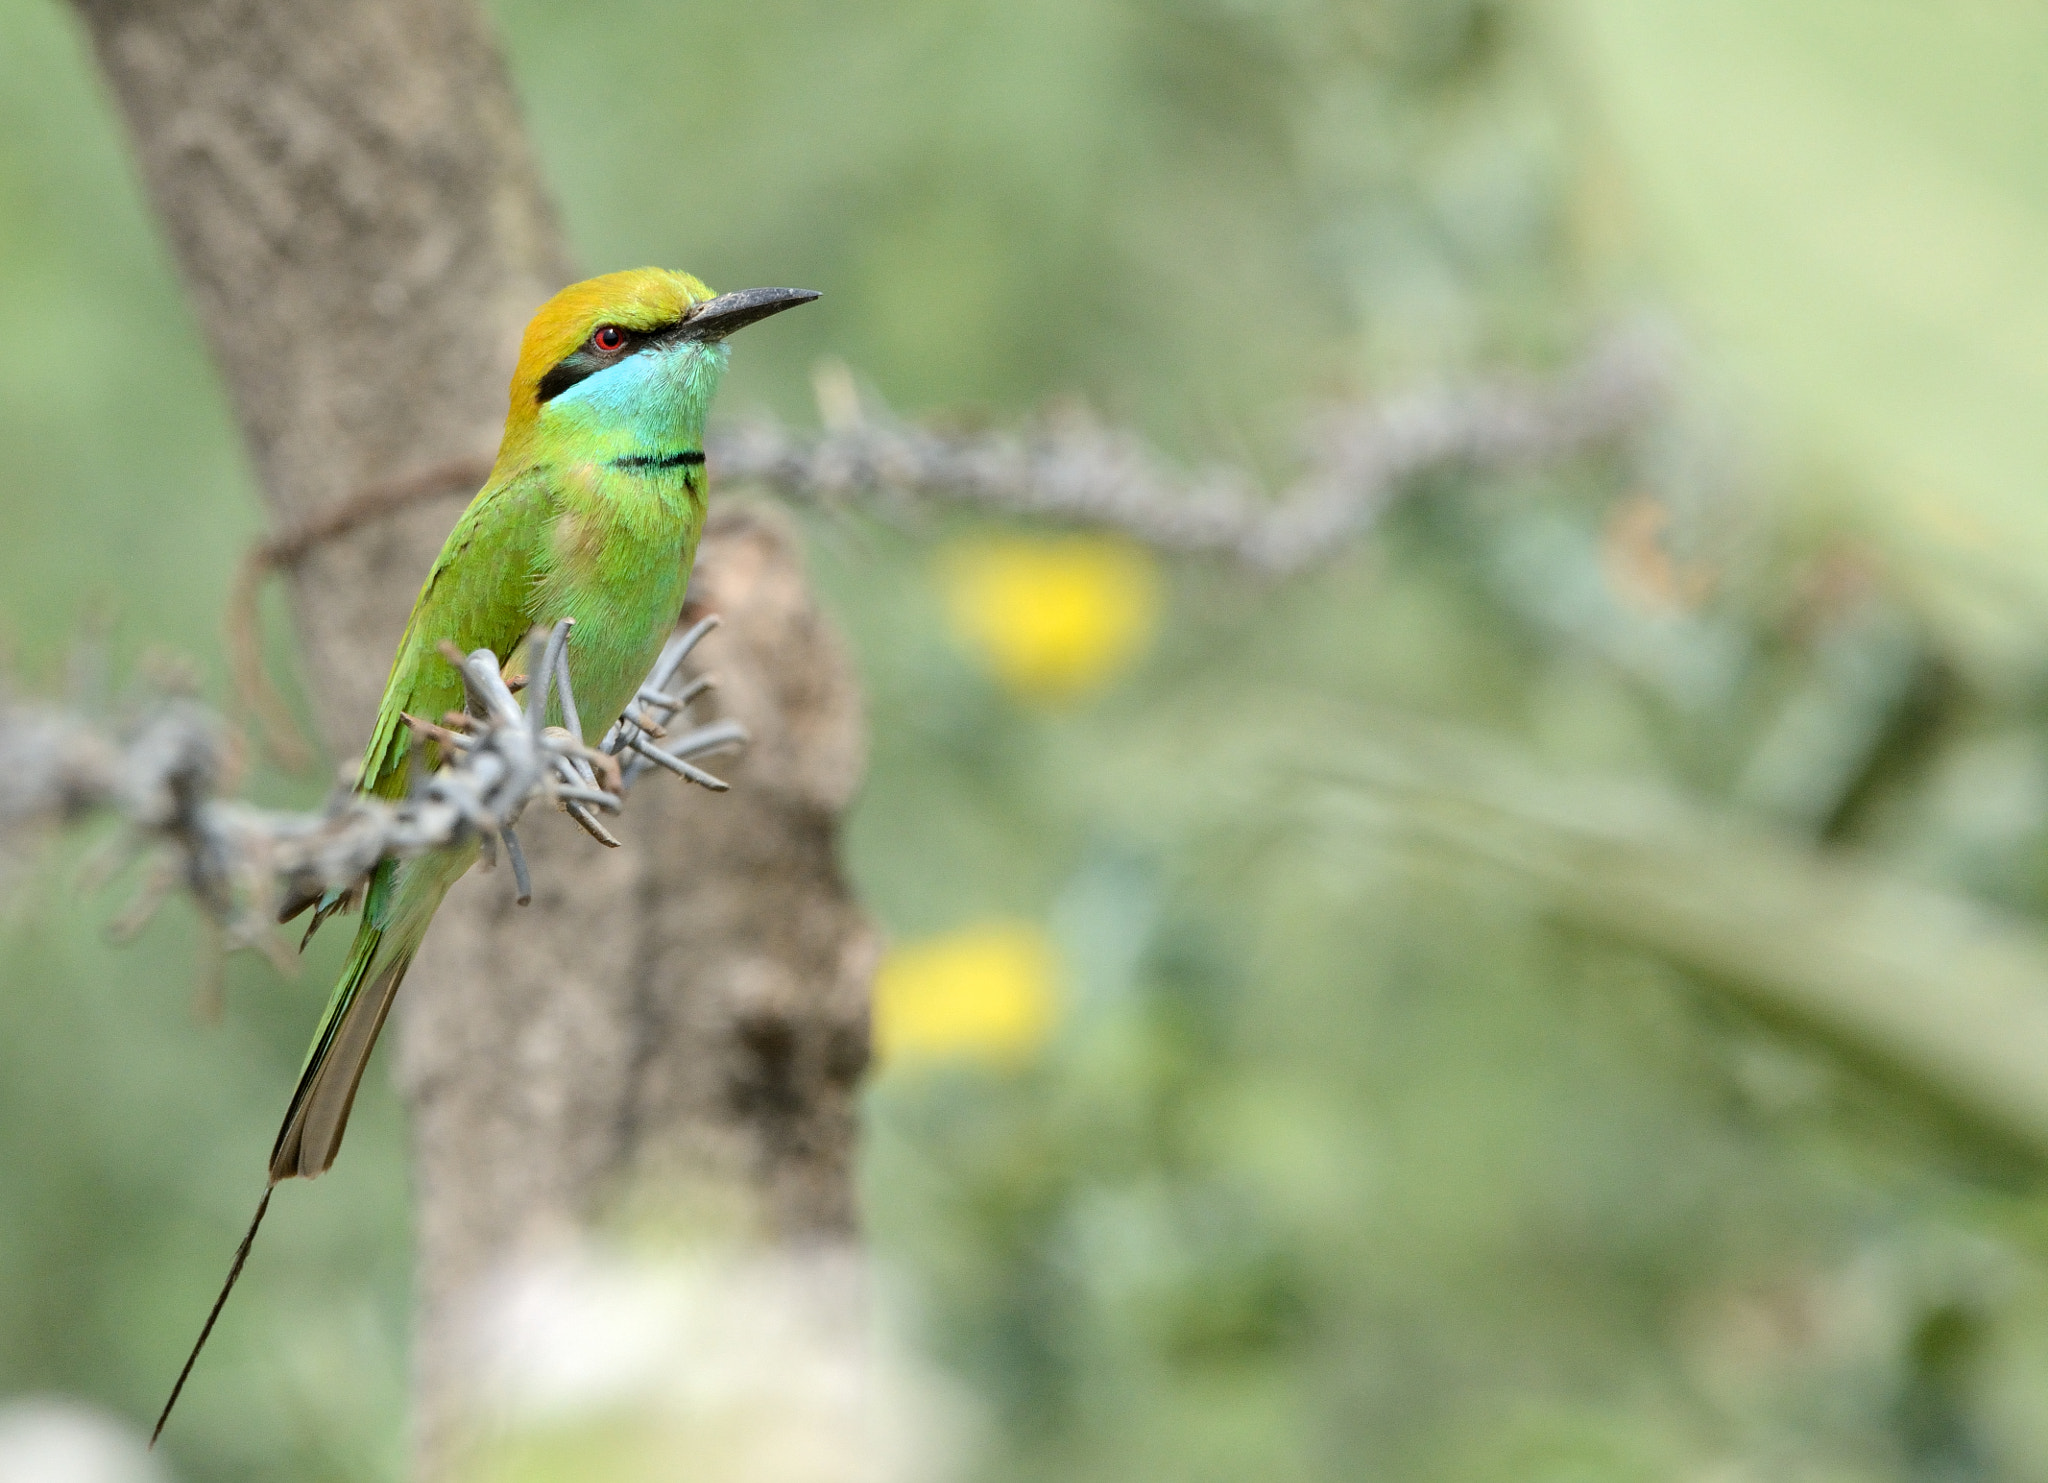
x,y
719,317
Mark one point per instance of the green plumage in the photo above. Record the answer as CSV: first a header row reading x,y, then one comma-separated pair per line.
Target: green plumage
x,y
609,547
592,512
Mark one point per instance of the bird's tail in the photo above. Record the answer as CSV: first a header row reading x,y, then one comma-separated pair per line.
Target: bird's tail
x,y
400,903
396,910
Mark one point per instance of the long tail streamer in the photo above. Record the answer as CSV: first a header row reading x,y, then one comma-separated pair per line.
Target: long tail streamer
x,y
234,1275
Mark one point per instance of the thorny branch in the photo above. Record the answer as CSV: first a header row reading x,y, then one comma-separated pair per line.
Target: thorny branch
x,y
1073,469
1070,468
165,773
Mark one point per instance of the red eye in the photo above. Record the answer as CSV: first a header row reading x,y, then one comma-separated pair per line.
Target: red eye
x,y
609,339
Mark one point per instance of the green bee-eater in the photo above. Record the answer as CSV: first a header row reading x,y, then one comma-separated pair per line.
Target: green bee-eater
x,y
592,512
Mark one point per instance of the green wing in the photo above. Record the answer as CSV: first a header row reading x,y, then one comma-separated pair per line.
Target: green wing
x,y
480,595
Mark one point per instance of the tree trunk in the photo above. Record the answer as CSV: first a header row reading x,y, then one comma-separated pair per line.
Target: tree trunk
x,y
364,233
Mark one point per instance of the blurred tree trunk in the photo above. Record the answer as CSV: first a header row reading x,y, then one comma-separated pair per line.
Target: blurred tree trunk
x,y
363,231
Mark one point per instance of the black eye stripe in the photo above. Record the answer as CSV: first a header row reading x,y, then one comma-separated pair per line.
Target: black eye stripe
x,y
585,360
567,371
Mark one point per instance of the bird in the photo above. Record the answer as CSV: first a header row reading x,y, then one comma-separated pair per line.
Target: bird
x,y
591,512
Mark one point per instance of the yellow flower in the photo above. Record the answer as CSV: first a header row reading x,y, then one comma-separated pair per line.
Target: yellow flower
x,y
987,992
1053,617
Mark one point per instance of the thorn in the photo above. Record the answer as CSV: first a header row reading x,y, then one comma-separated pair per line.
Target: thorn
x,y
679,767
590,825
210,992
274,950
106,861
677,650
564,692
163,876
444,736
549,669
607,801
606,766
520,878
719,736
647,724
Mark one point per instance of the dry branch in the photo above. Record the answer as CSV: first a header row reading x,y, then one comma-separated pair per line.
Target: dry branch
x,y
1071,468
164,775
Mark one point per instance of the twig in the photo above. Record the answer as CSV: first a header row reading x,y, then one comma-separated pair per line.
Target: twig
x,y
1359,460
629,736
165,771
677,766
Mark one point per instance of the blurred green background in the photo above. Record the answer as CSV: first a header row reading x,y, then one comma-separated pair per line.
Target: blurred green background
x,y
1303,1127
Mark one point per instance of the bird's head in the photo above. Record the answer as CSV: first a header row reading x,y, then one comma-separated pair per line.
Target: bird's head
x,y
630,360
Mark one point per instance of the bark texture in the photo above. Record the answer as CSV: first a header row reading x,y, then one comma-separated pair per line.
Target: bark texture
x,y
361,225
